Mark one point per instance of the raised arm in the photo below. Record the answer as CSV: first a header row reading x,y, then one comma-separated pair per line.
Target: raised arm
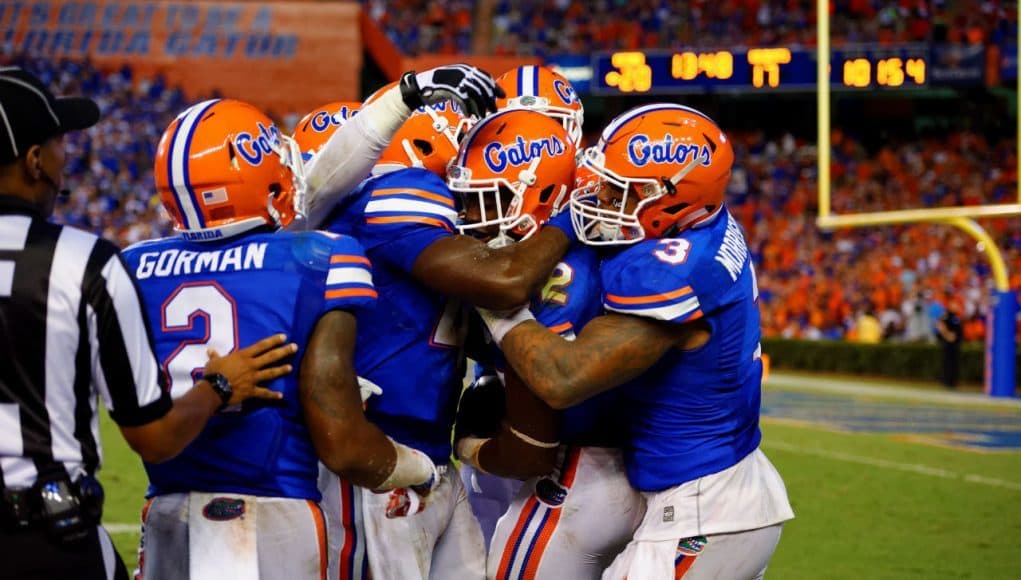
x,y
349,155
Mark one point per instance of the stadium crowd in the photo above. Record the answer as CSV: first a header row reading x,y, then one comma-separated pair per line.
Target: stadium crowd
x,y
536,27
813,284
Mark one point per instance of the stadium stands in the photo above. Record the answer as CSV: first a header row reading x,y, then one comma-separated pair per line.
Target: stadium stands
x,y
813,284
537,27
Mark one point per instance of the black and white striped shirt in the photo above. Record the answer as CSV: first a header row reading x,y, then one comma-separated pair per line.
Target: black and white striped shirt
x,y
72,326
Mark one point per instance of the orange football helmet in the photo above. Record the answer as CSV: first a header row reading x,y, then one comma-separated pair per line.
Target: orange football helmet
x,y
316,128
223,168
538,88
523,154
669,162
428,139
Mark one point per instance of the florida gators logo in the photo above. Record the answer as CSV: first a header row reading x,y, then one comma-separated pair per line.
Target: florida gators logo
x,y
499,155
221,509
692,546
550,492
641,150
322,120
565,91
254,149
442,107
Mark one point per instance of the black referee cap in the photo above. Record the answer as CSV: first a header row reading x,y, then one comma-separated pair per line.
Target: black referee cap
x,y
30,114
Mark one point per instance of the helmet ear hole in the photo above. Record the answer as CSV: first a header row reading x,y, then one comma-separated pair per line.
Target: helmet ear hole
x,y
546,193
423,146
233,156
676,209
275,189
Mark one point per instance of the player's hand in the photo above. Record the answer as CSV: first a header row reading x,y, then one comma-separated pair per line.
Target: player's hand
x,y
408,501
473,88
249,366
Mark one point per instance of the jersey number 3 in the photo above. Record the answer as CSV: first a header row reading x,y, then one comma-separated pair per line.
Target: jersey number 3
x,y
673,252
190,301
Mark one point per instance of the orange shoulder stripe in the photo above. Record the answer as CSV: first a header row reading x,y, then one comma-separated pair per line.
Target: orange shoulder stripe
x,y
340,259
649,299
410,220
351,293
416,193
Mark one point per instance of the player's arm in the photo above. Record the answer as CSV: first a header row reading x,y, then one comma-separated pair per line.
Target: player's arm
x,y
526,443
349,155
346,442
611,350
244,369
503,278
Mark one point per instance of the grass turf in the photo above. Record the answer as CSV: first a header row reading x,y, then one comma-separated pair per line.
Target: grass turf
x,y
868,505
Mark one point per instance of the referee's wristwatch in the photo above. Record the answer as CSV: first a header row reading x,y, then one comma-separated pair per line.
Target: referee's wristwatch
x,y
221,386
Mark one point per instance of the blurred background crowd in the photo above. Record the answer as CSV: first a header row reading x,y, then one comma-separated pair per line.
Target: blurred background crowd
x,y
536,27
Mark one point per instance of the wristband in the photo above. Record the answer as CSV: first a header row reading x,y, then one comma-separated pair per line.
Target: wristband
x,y
500,322
468,449
531,441
411,468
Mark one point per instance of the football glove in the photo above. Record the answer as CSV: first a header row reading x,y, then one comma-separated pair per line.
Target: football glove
x,y
482,407
473,88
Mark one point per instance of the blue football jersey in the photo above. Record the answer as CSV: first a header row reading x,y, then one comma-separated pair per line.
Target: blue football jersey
x,y
571,297
411,344
226,295
694,412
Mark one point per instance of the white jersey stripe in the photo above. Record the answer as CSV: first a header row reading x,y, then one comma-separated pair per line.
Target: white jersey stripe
x,y
410,206
14,232
671,312
67,271
348,275
144,368
178,159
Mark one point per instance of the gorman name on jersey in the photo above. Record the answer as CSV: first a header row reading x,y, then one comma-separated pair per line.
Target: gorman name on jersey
x,y
174,262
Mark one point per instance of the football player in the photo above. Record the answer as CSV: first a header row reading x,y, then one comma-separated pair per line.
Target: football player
x,y
315,129
538,89
411,343
543,90
348,156
680,337
240,501
550,530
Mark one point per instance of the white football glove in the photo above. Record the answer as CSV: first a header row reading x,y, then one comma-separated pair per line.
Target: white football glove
x,y
473,88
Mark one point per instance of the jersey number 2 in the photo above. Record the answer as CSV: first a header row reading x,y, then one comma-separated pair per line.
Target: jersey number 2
x,y
190,301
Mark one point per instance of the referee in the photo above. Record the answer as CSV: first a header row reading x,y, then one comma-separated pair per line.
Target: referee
x,y
71,327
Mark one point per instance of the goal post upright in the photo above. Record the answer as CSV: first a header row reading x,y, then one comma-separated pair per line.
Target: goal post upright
x,y
1001,340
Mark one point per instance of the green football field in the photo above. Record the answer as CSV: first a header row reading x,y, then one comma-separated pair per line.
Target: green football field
x,y
887,481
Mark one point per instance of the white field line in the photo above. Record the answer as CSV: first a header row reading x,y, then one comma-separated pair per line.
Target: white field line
x,y
781,380
894,465
122,528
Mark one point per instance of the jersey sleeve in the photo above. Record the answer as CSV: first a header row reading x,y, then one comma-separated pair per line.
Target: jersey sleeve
x,y
571,296
405,215
349,277
648,280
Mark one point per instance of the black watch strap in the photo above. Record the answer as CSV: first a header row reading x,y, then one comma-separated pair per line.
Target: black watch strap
x,y
221,386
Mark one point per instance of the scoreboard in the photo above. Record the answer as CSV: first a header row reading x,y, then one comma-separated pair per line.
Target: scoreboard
x,y
758,69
